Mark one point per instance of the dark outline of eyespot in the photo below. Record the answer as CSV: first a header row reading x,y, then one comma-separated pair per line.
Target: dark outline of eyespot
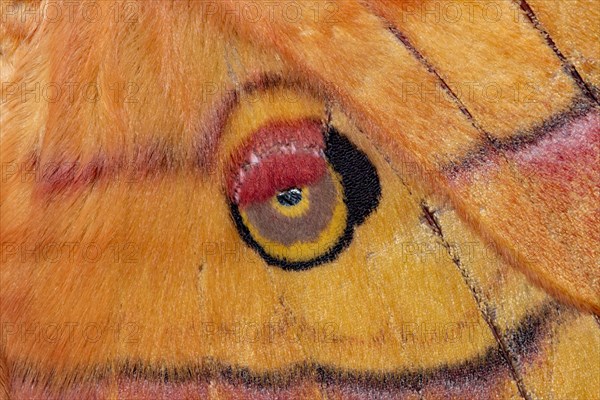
x,y
362,193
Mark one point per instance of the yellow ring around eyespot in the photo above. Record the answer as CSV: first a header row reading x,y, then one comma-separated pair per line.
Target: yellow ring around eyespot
x,y
296,210
259,108
306,251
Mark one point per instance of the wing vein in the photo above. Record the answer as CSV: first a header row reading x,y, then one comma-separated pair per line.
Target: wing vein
x,y
480,300
568,66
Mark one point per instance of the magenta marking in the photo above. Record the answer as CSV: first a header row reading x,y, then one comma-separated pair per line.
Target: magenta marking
x,y
562,152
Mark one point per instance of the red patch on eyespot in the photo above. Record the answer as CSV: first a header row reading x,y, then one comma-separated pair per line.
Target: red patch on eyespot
x,y
278,156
